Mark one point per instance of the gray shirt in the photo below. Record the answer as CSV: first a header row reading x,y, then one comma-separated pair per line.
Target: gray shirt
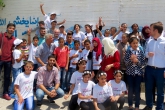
x,y
44,51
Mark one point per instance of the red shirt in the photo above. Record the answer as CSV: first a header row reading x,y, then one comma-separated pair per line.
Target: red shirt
x,y
61,56
115,60
7,47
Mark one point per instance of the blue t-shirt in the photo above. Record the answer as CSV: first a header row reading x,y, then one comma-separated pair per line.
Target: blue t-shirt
x,y
71,45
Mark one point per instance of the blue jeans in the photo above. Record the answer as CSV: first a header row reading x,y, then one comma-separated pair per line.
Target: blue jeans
x,y
40,93
134,87
15,72
69,75
154,75
62,74
29,102
7,70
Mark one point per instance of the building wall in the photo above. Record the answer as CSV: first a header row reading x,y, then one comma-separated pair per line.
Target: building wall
x,y
113,12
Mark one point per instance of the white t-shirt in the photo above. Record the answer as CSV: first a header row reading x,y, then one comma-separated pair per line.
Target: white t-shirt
x,y
25,83
90,36
16,55
84,54
72,52
47,21
102,93
117,88
119,36
75,79
80,36
97,62
86,90
32,53
62,35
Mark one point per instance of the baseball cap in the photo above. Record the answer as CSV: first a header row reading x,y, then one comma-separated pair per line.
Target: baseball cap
x,y
17,42
53,13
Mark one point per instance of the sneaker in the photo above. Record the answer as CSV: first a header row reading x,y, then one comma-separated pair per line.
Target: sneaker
x,y
6,96
50,101
39,103
147,108
12,96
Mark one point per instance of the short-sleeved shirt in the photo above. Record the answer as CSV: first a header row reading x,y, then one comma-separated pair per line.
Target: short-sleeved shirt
x,y
74,52
44,51
47,78
62,35
118,88
71,45
102,93
7,46
80,36
85,54
61,56
75,79
25,83
86,90
41,40
47,21
32,53
16,55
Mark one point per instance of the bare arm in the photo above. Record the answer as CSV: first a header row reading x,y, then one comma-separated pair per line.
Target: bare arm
x,y
70,91
29,36
57,86
40,61
42,87
42,11
84,97
95,104
61,22
98,30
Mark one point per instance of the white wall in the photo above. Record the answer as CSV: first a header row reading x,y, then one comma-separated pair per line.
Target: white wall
x,y
113,12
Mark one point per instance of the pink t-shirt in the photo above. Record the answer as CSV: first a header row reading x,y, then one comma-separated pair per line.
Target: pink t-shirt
x,y
61,56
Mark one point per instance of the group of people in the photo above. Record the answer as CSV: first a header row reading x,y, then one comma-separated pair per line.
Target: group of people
x,y
88,65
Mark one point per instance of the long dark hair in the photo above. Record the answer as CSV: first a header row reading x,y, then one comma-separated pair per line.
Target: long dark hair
x,y
80,61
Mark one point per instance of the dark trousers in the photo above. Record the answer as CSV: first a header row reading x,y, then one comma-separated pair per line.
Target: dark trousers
x,y
7,70
87,105
121,102
154,75
73,102
134,88
108,103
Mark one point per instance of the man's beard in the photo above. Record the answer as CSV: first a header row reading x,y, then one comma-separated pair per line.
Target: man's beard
x,y
50,65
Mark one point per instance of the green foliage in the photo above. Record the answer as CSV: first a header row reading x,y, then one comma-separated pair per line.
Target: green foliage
x,y
2,3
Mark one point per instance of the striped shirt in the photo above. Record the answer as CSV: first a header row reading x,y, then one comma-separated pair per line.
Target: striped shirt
x,y
48,78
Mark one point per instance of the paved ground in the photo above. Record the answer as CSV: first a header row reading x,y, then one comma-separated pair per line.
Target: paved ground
x,y
60,104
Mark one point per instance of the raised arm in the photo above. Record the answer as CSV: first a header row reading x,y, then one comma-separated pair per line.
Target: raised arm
x,y
29,36
98,30
42,11
61,22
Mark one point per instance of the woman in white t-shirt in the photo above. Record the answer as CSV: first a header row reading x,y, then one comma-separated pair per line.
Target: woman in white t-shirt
x,y
85,88
23,87
75,80
79,35
118,88
102,94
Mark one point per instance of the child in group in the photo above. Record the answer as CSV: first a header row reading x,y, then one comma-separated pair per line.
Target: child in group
x,y
135,61
24,88
53,26
79,35
85,53
62,32
25,49
18,56
69,40
85,88
102,94
74,56
62,56
95,55
119,88
32,49
75,80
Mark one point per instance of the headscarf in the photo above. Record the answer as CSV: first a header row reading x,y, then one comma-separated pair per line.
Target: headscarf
x,y
109,47
98,48
146,35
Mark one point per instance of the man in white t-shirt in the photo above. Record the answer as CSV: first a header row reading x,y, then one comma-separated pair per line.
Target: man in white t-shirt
x,y
48,19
